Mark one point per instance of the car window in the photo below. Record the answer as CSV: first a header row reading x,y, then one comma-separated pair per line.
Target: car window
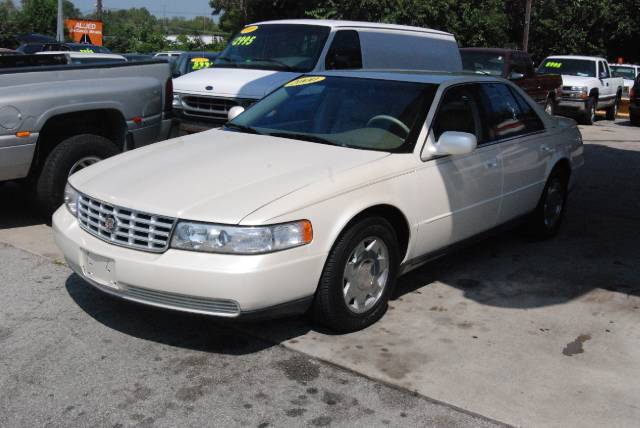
x,y
567,66
483,62
603,71
501,112
345,51
459,112
363,113
528,116
518,64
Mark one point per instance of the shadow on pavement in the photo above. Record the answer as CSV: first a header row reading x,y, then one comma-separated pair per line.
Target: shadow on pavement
x,y
18,207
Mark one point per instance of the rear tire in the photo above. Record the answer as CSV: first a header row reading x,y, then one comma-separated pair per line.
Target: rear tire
x,y
545,221
612,112
355,286
74,153
589,117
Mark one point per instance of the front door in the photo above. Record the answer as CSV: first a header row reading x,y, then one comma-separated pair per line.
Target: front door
x,y
459,195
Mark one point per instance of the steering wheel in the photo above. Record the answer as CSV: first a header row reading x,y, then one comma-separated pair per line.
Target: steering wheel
x,y
391,119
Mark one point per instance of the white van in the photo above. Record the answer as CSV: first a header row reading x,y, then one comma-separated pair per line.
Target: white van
x,y
263,56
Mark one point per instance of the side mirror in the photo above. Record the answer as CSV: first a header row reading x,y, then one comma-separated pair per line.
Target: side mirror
x,y
514,75
234,112
456,143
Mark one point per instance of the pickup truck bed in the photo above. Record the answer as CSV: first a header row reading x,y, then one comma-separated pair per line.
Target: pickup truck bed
x,y
56,119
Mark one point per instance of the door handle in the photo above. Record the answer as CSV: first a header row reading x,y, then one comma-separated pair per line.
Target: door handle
x,y
492,164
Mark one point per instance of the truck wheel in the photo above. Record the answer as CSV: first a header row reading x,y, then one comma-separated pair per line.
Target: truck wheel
x,y
68,157
590,112
549,106
612,111
358,277
545,221
635,120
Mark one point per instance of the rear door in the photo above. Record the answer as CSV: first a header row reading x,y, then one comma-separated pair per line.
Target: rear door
x,y
518,131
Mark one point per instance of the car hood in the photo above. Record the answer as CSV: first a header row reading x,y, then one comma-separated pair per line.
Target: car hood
x,y
568,80
215,176
232,82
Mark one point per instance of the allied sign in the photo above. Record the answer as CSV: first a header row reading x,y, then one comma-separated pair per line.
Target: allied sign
x,y
84,31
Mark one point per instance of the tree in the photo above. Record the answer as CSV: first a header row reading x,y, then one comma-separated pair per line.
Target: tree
x,y
40,16
8,24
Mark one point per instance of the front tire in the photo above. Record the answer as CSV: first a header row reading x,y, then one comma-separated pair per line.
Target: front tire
x,y
590,112
612,112
545,221
549,106
68,157
358,277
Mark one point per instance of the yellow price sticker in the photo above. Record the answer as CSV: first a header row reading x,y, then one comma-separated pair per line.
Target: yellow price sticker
x,y
200,63
243,40
553,64
250,29
305,81
86,51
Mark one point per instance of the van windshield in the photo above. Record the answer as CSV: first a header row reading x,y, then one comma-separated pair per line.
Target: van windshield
x,y
282,47
569,67
360,113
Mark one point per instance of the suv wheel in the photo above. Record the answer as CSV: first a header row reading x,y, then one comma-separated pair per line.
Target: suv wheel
x,y
547,217
69,157
358,277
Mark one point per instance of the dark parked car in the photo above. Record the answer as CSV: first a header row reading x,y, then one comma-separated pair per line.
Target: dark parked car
x,y
634,103
7,52
29,48
516,66
192,61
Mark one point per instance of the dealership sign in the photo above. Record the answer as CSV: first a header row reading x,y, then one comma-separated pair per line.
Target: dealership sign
x,y
84,31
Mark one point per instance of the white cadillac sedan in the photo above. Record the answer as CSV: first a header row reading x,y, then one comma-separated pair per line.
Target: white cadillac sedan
x,y
319,196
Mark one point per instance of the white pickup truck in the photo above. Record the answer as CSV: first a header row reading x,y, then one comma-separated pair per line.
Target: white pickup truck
x,y
587,85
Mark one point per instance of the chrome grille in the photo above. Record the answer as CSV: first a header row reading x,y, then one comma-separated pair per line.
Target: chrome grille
x,y
184,302
216,108
125,227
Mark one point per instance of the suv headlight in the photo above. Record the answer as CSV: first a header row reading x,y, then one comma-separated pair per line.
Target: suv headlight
x,y
225,239
71,199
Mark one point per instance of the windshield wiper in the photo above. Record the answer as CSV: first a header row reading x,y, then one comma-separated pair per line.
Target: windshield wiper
x,y
241,128
304,137
275,61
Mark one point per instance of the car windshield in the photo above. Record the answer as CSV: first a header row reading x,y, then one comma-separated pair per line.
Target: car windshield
x,y
483,62
624,72
360,113
570,67
199,62
286,47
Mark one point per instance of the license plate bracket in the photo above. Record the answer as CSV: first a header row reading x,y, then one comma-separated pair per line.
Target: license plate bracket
x,y
100,269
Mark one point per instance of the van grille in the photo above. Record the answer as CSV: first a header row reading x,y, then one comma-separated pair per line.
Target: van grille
x,y
123,226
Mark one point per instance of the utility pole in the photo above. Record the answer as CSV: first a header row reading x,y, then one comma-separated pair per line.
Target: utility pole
x,y
99,10
60,28
527,22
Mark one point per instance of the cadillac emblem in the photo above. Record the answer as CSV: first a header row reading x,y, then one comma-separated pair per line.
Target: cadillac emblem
x,y
109,223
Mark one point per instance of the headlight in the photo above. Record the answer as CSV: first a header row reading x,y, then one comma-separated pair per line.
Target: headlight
x,y
218,238
71,199
177,102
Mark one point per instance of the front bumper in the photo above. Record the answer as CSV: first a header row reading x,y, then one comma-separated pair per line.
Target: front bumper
x,y
571,106
222,285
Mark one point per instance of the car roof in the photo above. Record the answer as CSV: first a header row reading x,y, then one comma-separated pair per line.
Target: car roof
x,y
417,76
589,58
334,23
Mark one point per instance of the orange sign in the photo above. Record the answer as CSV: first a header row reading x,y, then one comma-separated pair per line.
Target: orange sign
x,y
84,31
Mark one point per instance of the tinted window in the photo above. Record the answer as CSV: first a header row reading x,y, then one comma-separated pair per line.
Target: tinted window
x,y
624,72
345,51
368,114
528,116
483,62
603,71
459,112
503,117
518,64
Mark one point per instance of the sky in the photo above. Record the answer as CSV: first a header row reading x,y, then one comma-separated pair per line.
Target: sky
x,y
185,8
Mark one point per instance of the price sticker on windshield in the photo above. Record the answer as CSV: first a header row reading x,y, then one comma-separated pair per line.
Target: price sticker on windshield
x,y
305,81
243,40
200,63
553,64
